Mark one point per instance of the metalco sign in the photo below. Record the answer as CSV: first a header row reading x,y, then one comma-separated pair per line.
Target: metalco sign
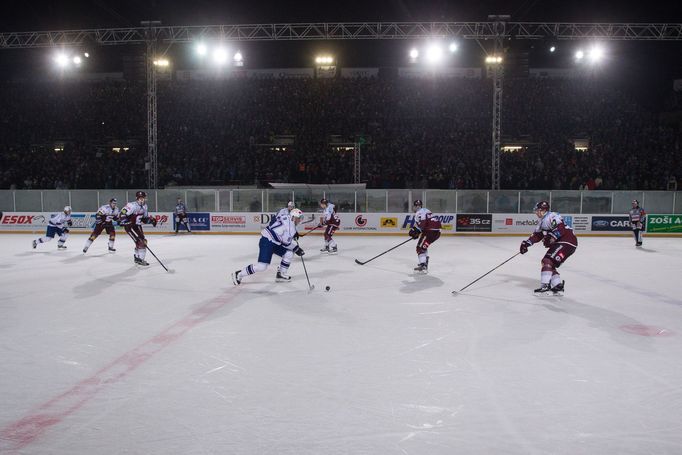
x,y
610,223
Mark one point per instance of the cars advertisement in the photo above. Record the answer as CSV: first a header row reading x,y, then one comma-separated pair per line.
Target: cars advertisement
x,y
610,223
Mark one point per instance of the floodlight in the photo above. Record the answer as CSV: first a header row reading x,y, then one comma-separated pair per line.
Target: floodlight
x,y
414,53
86,55
453,47
596,54
220,56
434,53
324,59
61,60
77,60
579,54
201,49
552,49
161,62
238,57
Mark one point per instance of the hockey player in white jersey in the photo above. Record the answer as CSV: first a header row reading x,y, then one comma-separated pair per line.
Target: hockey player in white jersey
x,y
106,215
332,222
278,238
181,216
56,227
283,213
131,218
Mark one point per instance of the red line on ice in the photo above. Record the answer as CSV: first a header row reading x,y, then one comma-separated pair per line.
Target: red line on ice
x,y
26,430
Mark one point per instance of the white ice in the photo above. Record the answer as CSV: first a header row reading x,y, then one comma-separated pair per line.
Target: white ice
x,y
101,357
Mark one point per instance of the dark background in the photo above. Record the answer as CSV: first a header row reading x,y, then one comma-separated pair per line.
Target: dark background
x,y
647,67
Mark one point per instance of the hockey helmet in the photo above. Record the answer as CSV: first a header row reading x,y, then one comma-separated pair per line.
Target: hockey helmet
x,y
291,205
67,209
324,201
542,205
112,201
418,203
140,194
635,203
296,214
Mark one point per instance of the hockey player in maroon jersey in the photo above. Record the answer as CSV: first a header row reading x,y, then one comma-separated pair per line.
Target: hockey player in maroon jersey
x,y
132,216
560,242
106,215
427,230
330,219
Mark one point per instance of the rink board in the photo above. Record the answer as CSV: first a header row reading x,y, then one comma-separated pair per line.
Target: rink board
x,y
363,223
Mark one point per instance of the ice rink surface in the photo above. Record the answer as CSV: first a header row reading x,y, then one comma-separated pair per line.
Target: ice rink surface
x,y
101,357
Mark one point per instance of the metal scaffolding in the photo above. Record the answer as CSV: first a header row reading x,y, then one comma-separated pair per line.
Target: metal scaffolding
x,y
345,31
153,34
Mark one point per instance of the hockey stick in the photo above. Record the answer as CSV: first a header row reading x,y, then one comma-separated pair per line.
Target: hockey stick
x,y
310,286
390,249
136,239
306,233
496,267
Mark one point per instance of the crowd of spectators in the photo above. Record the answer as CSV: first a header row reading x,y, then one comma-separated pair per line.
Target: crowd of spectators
x,y
417,133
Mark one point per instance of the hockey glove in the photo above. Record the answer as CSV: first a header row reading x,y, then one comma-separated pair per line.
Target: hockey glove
x,y
298,251
548,240
66,230
69,223
153,221
123,221
414,232
296,236
523,249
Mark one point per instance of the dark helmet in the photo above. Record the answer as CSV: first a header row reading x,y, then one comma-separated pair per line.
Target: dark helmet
x,y
324,201
112,201
542,205
635,203
140,194
418,203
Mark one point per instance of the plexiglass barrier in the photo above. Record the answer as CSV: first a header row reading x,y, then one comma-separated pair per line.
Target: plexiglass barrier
x,y
369,201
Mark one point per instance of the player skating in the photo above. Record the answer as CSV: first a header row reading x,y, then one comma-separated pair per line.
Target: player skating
x,y
181,216
56,227
427,230
131,218
332,222
560,243
637,218
106,215
278,238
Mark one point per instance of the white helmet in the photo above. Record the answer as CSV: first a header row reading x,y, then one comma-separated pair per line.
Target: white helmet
x,y
67,209
296,213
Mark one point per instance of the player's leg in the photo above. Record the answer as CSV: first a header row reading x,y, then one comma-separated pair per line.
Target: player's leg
x,y
63,235
265,252
422,253
327,238
112,237
177,224
49,235
284,264
95,233
550,279
141,245
332,243
185,220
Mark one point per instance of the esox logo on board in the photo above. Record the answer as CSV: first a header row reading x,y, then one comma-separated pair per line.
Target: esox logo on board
x,y
22,219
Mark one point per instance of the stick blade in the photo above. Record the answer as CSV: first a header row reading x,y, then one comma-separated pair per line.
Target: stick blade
x,y
359,263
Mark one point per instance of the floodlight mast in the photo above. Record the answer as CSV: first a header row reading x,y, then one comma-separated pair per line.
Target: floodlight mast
x,y
497,28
